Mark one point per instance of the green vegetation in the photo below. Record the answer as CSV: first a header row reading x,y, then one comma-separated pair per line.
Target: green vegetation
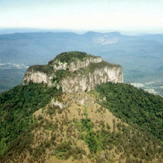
x,y
94,140
85,127
136,142
60,74
134,106
42,68
101,65
69,57
66,149
129,142
95,66
132,143
16,109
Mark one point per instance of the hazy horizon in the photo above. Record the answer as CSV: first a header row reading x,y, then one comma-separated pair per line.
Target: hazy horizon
x,y
76,15
43,30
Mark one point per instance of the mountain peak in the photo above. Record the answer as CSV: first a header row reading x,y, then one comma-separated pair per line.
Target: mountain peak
x,y
72,56
74,72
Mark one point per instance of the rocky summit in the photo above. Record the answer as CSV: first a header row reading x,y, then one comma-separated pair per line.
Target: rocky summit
x,y
74,72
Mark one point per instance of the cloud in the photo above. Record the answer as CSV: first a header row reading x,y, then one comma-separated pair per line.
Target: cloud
x,y
151,90
138,85
12,65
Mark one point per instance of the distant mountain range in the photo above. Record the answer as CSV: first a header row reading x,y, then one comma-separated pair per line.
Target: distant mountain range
x,y
27,30
141,55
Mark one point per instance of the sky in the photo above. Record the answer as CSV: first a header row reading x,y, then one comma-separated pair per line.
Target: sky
x,y
129,15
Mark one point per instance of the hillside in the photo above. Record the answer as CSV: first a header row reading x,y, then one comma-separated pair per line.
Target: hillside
x,y
112,122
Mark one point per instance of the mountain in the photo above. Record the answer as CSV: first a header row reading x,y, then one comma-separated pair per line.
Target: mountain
x,y
110,122
140,56
74,71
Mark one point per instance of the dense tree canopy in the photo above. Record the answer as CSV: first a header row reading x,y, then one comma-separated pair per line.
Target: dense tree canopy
x,y
134,106
16,109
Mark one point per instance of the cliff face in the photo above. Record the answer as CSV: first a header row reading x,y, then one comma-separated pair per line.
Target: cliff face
x,y
74,66
36,77
74,72
89,81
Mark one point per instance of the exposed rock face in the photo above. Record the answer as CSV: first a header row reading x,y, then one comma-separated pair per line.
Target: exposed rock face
x,y
74,72
88,82
74,66
36,77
